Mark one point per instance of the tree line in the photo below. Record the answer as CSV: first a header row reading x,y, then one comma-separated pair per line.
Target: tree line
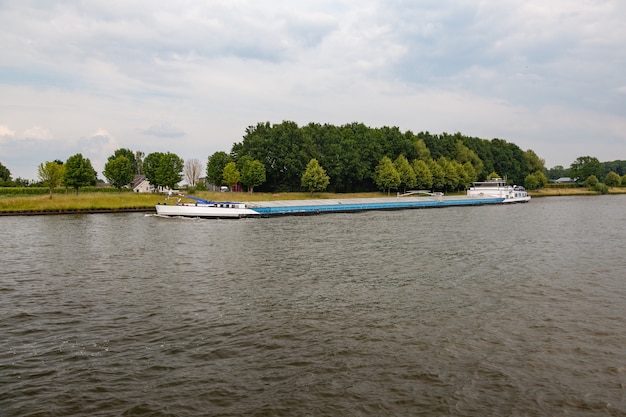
x,y
353,156
347,158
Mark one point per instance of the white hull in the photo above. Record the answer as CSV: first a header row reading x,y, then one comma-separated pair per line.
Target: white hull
x,y
497,188
216,211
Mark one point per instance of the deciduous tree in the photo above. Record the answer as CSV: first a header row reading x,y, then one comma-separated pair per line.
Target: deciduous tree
x,y
424,179
613,179
119,171
253,174
407,175
584,167
51,174
231,174
386,177
78,172
5,175
215,167
193,170
163,169
314,177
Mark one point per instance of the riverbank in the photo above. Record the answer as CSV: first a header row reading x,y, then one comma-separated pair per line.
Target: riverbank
x,y
136,202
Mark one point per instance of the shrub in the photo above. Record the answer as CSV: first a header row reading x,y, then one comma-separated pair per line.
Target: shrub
x,y
601,188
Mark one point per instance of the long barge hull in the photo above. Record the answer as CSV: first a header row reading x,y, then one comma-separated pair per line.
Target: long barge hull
x,y
306,207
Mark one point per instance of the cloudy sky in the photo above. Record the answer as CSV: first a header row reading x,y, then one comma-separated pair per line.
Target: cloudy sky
x,y
189,76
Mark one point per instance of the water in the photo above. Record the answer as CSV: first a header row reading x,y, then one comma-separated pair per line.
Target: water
x,y
469,311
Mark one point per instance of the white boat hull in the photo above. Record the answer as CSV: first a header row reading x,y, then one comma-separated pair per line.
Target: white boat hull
x,y
216,211
499,189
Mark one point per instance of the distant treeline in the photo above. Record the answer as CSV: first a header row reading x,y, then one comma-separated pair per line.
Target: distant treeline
x,y
350,153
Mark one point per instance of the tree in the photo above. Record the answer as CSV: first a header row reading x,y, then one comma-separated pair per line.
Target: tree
x,y
51,174
423,177
386,176
78,172
215,167
5,175
163,169
231,174
584,167
450,174
437,173
119,171
253,174
421,150
591,181
465,154
314,177
139,160
533,162
557,172
407,175
131,156
535,181
193,170
613,179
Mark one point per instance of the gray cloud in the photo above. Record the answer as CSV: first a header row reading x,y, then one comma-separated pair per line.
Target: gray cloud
x,y
488,68
164,130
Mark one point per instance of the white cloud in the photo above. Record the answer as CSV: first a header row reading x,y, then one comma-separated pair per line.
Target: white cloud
x,y
37,132
195,74
5,131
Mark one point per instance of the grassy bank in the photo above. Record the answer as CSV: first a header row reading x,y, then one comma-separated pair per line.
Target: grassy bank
x,y
136,201
556,192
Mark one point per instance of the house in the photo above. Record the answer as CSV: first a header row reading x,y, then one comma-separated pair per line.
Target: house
x,y
565,180
141,185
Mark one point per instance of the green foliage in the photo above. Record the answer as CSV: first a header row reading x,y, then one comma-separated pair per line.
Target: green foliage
x,y
591,181
600,187
119,171
252,174
584,167
557,172
423,177
387,177
613,179
36,190
131,156
536,180
465,154
493,175
215,167
533,162
231,174
438,175
618,166
51,174
78,172
351,152
314,177
421,150
407,175
163,169
5,175
623,182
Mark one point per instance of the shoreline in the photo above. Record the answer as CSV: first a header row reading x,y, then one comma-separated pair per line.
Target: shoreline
x,y
73,207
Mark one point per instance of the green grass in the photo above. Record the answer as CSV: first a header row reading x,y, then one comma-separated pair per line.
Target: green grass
x,y
125,200
138,201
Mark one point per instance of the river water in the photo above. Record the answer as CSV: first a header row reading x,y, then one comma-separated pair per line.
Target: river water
x,y
467,311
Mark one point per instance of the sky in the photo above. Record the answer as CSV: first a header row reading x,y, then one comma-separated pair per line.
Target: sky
x,y
189,76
